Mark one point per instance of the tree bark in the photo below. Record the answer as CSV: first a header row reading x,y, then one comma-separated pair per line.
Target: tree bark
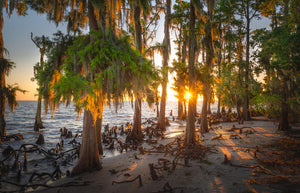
x,y
246,116
2,79
99,126
89,151
161,124
204,123
89,158
157,109
136,133
181,101
209,62
190,126
180,110
219,104
208,107
38,124
284,115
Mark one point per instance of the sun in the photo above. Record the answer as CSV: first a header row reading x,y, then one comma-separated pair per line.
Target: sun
x,y
187,95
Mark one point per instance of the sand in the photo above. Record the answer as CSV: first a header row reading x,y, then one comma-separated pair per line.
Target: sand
x,y
242,173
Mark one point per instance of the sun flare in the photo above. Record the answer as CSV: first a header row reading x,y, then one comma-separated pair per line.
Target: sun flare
x,y
187,95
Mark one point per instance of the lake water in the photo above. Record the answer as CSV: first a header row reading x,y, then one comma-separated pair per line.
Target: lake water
x,y
23,117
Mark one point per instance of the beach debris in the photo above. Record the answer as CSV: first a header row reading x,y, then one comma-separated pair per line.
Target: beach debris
x,y
167,122
166,188
164,162
139,177
40,139
226,159
240,129
142,150
235,136
30,185
69,134
18,165
17,137
63,132
153,172
113,171
7,151
217,137
150,141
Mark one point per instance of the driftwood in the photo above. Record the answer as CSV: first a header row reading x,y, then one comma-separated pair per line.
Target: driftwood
x,y
24,150
29,185
17,137
153,172
235,136
233,128
226,160
217,137
126,181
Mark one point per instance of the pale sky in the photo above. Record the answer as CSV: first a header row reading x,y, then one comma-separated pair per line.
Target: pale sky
x,y
22,51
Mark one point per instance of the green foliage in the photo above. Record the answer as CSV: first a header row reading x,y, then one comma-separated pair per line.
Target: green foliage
x,y
279,56
265,104
99,66
6,66
46,72
9,93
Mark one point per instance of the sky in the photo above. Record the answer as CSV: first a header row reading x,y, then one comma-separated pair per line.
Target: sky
x,y
23,52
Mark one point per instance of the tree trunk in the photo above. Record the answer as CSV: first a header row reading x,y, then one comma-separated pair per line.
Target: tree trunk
x,y
157,109
209,62
181,101
161,124
190,126
180,110
99,127
246,97
219,104
2,80
89,151
204,124
136,134
284,115
185,111
38,124
208,108
89,158
92,17
223,109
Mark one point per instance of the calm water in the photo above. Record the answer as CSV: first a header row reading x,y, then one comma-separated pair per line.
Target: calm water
x,y
23,117
22,121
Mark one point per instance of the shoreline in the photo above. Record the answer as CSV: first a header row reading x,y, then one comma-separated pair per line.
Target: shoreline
x,y
242,172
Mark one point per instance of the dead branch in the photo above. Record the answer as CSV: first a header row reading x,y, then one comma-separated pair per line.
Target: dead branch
x,y
217,137
126,181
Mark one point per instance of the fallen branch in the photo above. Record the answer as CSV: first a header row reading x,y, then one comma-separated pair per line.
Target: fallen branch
x,y
217,137
126,181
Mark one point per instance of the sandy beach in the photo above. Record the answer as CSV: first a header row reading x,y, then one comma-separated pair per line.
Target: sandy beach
x,y
259,159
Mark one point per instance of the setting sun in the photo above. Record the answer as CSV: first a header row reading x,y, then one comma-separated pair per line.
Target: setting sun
x,y
187,95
